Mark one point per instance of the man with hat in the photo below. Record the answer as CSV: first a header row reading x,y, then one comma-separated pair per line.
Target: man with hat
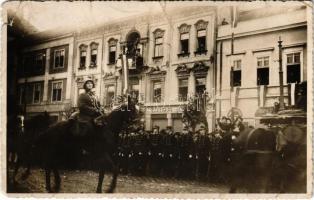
x,y
89,108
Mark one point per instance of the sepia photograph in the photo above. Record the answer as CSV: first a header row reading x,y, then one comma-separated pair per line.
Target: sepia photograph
x,y
205,99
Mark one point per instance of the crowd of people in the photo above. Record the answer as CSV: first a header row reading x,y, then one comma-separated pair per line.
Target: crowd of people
x,y
200,155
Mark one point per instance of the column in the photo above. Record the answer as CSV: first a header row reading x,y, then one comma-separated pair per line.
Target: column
x,y
170,121
46,78
148,122
191,87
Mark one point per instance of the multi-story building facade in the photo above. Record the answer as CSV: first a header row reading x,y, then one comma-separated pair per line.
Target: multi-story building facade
x,y
173,55
45,77
248,58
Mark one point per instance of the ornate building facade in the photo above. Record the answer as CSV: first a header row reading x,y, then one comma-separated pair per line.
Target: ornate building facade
x,y
229,54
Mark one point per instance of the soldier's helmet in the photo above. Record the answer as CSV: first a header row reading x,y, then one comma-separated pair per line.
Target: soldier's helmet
x,y
88,81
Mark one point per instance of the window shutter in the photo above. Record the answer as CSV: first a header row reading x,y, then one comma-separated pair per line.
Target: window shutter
x,y
49,90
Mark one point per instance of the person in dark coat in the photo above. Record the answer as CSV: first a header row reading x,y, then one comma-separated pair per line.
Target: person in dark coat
x,y
89,109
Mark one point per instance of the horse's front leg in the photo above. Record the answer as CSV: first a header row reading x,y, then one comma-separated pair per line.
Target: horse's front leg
x,y
48,184
16,170
100,179
57,180
115,171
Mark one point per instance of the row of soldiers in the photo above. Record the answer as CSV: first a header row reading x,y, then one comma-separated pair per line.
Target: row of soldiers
x,y
171,154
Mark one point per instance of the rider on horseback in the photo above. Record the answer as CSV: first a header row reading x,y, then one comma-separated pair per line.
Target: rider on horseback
x,y
89,108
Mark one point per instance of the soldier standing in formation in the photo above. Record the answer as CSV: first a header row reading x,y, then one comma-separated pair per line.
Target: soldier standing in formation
x,y
202,153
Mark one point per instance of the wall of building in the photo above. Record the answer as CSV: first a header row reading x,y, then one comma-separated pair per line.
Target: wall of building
x,y
253,39
54,108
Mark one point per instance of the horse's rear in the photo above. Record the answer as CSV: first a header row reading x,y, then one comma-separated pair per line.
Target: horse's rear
x,y
252,160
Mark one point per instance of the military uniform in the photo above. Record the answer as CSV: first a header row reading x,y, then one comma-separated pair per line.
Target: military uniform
x,y
202,154
155,153
185,144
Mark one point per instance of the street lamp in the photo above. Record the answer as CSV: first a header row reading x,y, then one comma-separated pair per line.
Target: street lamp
x,y
281,99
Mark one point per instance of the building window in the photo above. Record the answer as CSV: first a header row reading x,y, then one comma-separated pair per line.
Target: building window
x,y
184,43
159,39
112,54
22,94
263,71
201,27
200,85
59,58
293,68
236,73
110,94
201,41
184,31
40,62
56,91
157,91
37,93
112,43
183,89
93,58
158,47
134,87
93,54
83,60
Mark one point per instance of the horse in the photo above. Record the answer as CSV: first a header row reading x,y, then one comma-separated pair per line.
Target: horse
x,y
252,158
27,131
59,139
291,145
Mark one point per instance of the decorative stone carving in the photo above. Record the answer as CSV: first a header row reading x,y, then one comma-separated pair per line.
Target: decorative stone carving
x,y
156,71
201,25
112,42
94,45
158,33
83,47
199,68
182,70
184,28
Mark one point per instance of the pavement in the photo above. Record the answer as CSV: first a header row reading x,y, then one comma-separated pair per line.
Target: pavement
x,y
86,182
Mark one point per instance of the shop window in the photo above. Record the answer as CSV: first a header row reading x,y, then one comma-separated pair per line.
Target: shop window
x,y
293,68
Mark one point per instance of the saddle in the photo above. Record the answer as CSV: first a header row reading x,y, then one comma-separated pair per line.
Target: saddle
x,y
79,127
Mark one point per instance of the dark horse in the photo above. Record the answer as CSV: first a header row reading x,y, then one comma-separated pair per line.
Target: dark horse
x,y
255,150
60,140
25,132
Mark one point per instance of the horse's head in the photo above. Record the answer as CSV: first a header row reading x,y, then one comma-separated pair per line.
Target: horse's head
x,y
289,136
122,114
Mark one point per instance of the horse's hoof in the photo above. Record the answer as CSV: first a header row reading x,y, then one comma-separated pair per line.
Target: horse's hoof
x,y
109,191
25,176
98,190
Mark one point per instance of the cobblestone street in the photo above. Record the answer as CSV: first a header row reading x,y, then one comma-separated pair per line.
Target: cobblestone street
x,y
86,181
